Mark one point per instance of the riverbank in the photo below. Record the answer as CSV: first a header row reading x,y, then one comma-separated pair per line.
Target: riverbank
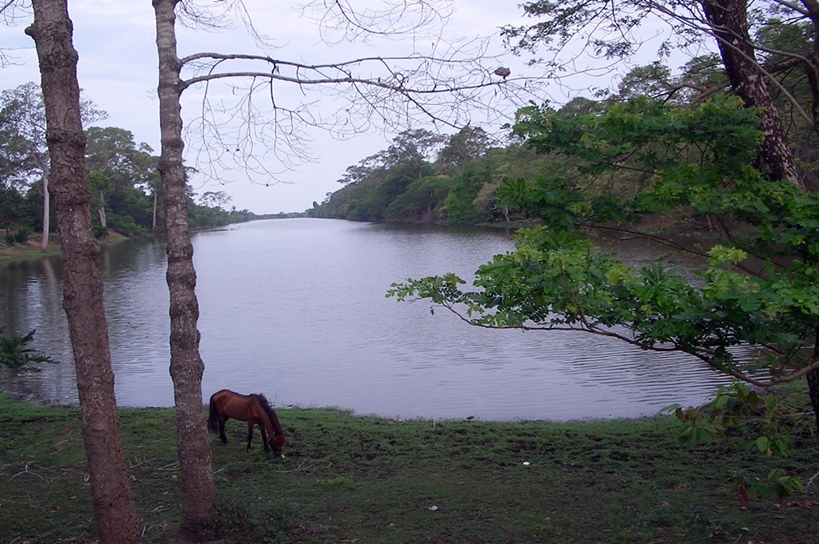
x,y
31,248
350,479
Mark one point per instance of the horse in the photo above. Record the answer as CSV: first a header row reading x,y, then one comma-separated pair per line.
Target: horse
x,y
255,409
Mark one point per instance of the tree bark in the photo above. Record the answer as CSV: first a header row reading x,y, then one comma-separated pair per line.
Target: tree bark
x,y
153,214
103,221
187,367
114,507
729,21
46,212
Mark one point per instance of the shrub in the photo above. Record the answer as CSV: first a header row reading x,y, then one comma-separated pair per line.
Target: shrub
x,y
21,235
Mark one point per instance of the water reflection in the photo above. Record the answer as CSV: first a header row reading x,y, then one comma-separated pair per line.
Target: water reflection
x,y
296,309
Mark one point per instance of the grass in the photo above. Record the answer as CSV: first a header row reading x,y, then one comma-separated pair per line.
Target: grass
x,y
30,249
27,250
348,479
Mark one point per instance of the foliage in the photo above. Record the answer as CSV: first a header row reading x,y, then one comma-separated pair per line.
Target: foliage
x,y
420,177
749,312
696,162
18,357
770,423
18,236
122,174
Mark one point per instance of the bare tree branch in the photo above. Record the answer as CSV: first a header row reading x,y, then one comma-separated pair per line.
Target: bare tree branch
x,y
258,109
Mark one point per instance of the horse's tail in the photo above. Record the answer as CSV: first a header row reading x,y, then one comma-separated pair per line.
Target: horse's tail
x,y
213,417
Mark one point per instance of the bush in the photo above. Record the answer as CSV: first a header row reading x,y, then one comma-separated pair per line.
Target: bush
x,y
126,225
19,236
100,232
22,235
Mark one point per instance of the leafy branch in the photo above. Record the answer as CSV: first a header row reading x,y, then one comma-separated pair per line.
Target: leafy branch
x,y
15,354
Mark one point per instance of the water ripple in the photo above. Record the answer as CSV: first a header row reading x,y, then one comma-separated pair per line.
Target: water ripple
x,y
296,309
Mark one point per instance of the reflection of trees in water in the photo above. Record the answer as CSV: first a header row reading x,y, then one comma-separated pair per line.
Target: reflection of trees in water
x,y
55,384
32,300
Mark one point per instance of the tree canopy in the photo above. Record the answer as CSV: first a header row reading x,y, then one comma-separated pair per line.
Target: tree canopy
x,y
122,173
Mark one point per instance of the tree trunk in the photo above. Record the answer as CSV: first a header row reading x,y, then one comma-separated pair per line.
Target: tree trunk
x,y
729,21
193,442
46,212
114,507
153,214
103,221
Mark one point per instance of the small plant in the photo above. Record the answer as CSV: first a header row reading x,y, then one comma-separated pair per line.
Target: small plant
x,y
778,484
15,355
766,419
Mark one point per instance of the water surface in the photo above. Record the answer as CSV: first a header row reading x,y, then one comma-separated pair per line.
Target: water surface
x,y
296,309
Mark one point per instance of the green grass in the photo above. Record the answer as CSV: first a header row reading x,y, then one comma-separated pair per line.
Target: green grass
x,y
31,248
350,479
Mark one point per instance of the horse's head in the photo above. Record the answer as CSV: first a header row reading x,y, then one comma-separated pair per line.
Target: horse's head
x,y
276,443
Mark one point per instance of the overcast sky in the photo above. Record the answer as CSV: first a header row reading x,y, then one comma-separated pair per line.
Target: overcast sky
x,y
117,71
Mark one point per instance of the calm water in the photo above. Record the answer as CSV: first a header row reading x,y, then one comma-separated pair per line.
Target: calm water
x,y
296,309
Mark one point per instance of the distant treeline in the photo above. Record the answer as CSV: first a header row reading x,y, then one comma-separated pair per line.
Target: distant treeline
x,y
470,178
126,191
428,177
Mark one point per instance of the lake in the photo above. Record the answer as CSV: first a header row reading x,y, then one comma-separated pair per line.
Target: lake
x,y
296,309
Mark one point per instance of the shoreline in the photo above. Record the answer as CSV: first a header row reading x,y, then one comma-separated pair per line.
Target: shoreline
x,y
30,249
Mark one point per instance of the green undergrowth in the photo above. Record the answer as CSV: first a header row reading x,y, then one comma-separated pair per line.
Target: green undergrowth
x,y
347,478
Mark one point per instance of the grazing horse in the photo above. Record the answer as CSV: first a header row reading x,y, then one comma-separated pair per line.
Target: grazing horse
x,y
254,409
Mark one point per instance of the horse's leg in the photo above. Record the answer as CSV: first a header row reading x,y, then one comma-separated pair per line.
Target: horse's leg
x,y
222,435
264,438
249,434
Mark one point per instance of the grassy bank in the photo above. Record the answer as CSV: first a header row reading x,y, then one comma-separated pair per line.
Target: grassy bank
x,y
369,480
30,249
27,250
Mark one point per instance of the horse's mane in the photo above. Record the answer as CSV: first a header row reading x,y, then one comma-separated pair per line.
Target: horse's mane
x,y
271,415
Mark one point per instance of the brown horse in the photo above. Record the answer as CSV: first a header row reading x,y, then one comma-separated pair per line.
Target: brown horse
x,y
254,409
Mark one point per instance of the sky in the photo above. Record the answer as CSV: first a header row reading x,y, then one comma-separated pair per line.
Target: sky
x,y
118,72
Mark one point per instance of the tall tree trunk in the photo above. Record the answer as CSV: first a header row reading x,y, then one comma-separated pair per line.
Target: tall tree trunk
x,y
193,442
46,212
729,21
103,221
153,214
114,507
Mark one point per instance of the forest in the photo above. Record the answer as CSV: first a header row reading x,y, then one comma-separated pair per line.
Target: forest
x,y
122,175
464,178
